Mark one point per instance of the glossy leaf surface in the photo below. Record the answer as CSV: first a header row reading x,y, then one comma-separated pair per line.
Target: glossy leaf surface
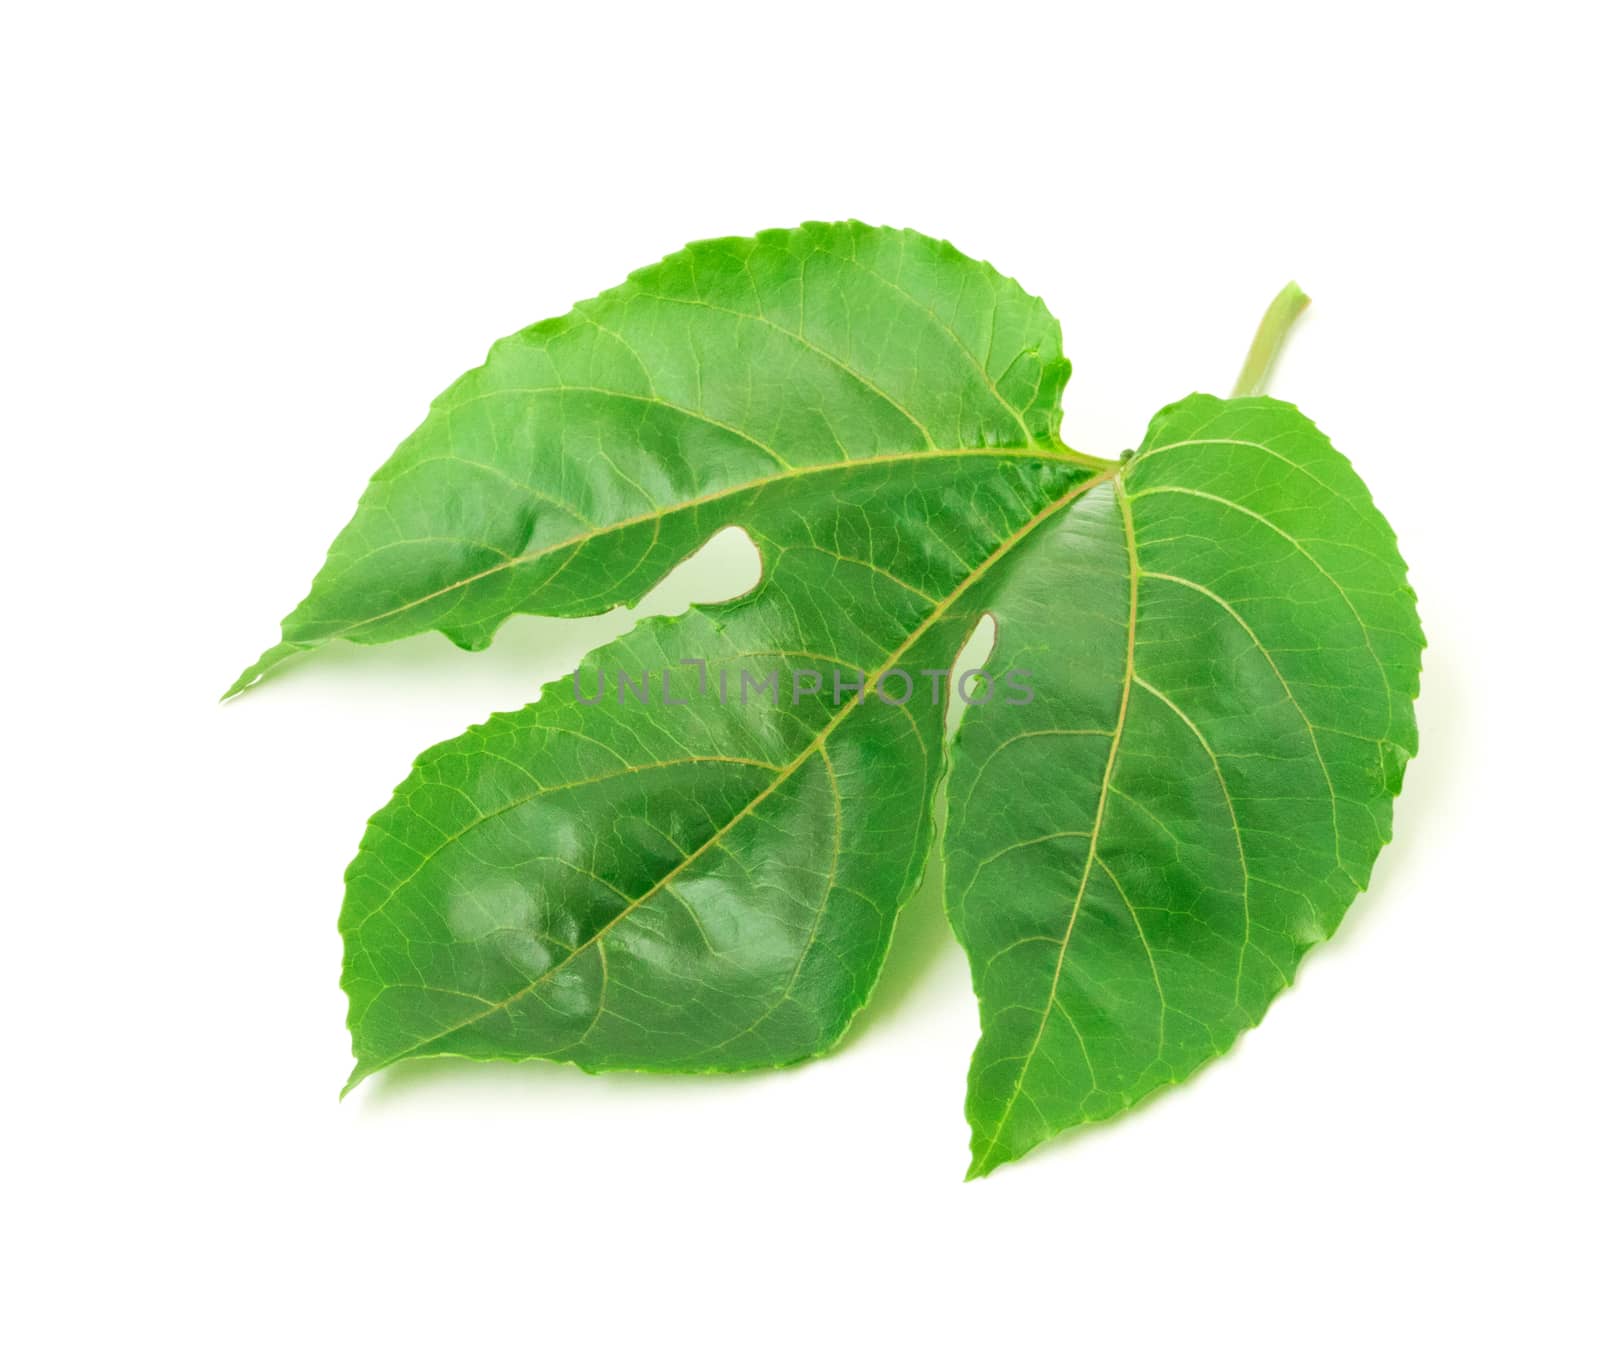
x,y
1224,724
592,452
1222,646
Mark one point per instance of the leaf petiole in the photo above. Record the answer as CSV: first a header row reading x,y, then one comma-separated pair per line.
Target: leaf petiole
x,y
1275,324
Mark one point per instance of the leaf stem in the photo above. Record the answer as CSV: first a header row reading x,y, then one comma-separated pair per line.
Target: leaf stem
x,y
1275,324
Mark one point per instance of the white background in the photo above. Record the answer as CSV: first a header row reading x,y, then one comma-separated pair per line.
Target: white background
x,y
245,245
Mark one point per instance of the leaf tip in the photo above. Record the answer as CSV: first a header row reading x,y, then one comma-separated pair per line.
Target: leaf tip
x,y
981,1167
984,1161
268,662
248,678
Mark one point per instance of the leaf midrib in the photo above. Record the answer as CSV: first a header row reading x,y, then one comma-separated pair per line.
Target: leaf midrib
x,y
1090,857
1071,458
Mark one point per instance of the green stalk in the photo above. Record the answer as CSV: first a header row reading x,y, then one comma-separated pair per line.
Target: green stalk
x,y
1275,324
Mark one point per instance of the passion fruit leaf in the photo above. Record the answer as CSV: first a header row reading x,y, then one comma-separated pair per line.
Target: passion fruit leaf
x,y
1209,768
1174,782
592,452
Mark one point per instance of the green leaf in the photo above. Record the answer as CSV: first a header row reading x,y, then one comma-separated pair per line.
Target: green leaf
x,y
1209,769
704,886
708,885
592,452
1221,645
